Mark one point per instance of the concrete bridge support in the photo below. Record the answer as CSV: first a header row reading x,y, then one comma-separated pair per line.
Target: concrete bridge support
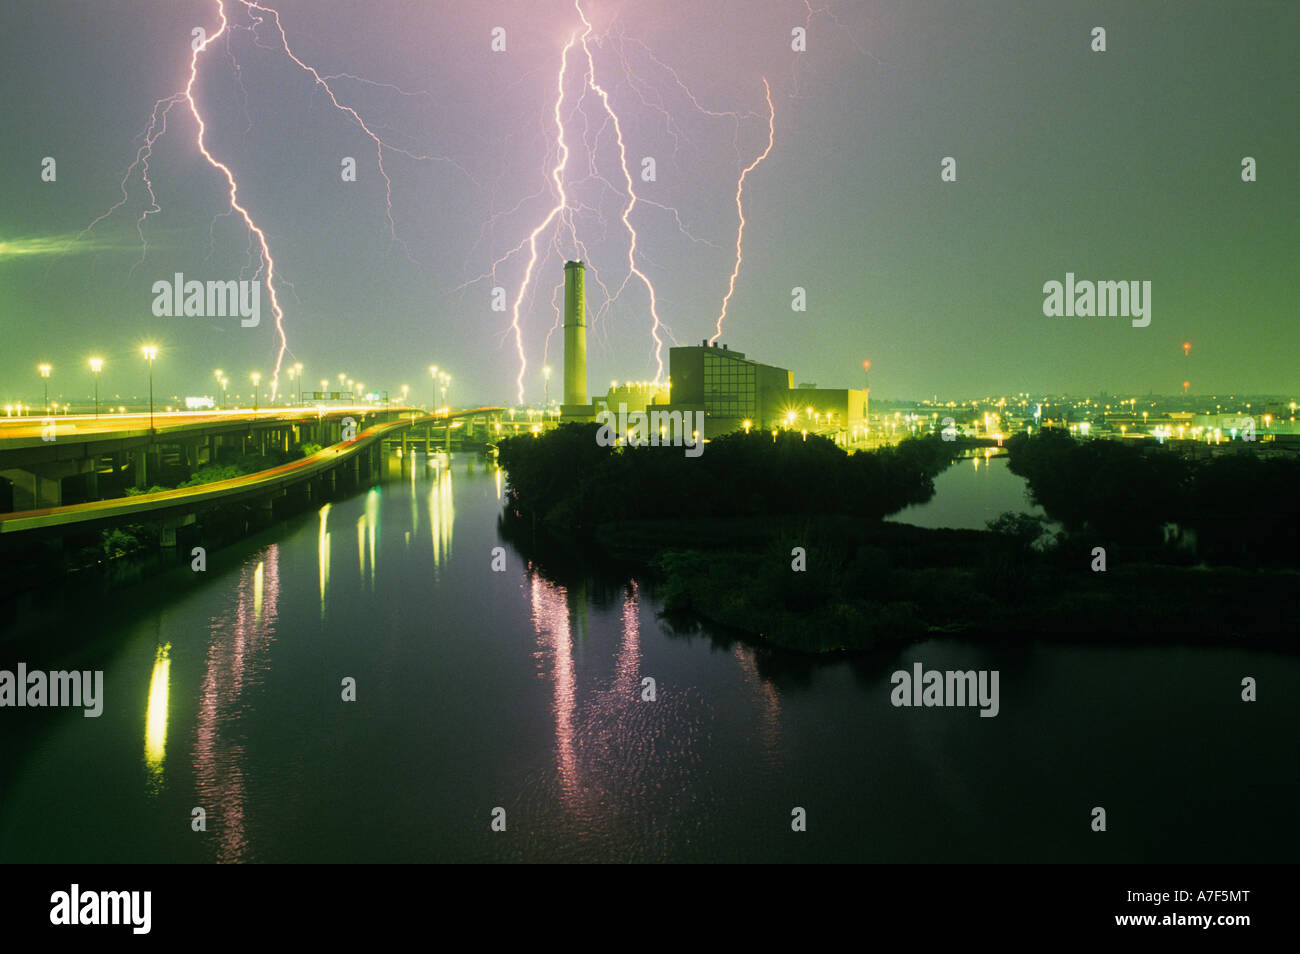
x,y
42,487
33,491
140,468
49,491
167,531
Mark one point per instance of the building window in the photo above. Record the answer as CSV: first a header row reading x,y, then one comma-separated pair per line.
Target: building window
x,y
728,387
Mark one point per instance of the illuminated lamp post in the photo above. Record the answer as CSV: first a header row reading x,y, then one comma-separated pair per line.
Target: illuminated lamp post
x,y
150,352
96,365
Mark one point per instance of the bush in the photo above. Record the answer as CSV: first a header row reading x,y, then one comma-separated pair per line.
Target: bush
x,y
574,484
1241,507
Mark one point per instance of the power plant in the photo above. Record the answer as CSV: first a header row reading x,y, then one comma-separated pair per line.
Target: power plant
x,y
728,391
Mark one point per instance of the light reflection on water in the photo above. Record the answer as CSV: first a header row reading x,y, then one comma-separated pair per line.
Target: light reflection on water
x,y
526,689
155,721
970,493
442,514
238,660
627,752
323,555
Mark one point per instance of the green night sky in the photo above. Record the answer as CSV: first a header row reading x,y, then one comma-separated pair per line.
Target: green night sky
x,y
1122,165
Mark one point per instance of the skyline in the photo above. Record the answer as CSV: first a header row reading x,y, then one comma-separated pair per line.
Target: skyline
x,y
940,284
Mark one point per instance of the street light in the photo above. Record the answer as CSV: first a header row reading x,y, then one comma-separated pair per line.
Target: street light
x,y
218,375
45,380
150,352
433,373
96,365
298,367
257,380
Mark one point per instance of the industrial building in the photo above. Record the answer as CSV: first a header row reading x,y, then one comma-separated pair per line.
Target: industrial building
x,y
733,392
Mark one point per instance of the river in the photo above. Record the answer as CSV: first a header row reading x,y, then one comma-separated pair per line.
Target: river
x,y
970,493
522,690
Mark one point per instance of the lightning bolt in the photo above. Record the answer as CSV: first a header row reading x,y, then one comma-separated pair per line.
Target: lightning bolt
x,y
633,268
560,207
562,178
268,261
259,13
152,133
380,144
564,213
740,207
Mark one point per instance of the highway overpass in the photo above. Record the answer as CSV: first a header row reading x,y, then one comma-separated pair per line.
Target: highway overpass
x,y
47,462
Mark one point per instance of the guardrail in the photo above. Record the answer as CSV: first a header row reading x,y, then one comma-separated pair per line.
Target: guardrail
x,y
187,499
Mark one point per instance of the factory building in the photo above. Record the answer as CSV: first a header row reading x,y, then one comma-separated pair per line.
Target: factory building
x,y
731,391
634,395
723,384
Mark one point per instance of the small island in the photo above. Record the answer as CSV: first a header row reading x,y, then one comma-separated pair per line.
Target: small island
x,y
782,539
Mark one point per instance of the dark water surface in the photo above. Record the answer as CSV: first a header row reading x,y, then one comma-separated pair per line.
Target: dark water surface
x,y
970,493
478,689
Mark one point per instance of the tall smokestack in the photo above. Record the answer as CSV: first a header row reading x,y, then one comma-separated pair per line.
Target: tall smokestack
x,y
575,333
